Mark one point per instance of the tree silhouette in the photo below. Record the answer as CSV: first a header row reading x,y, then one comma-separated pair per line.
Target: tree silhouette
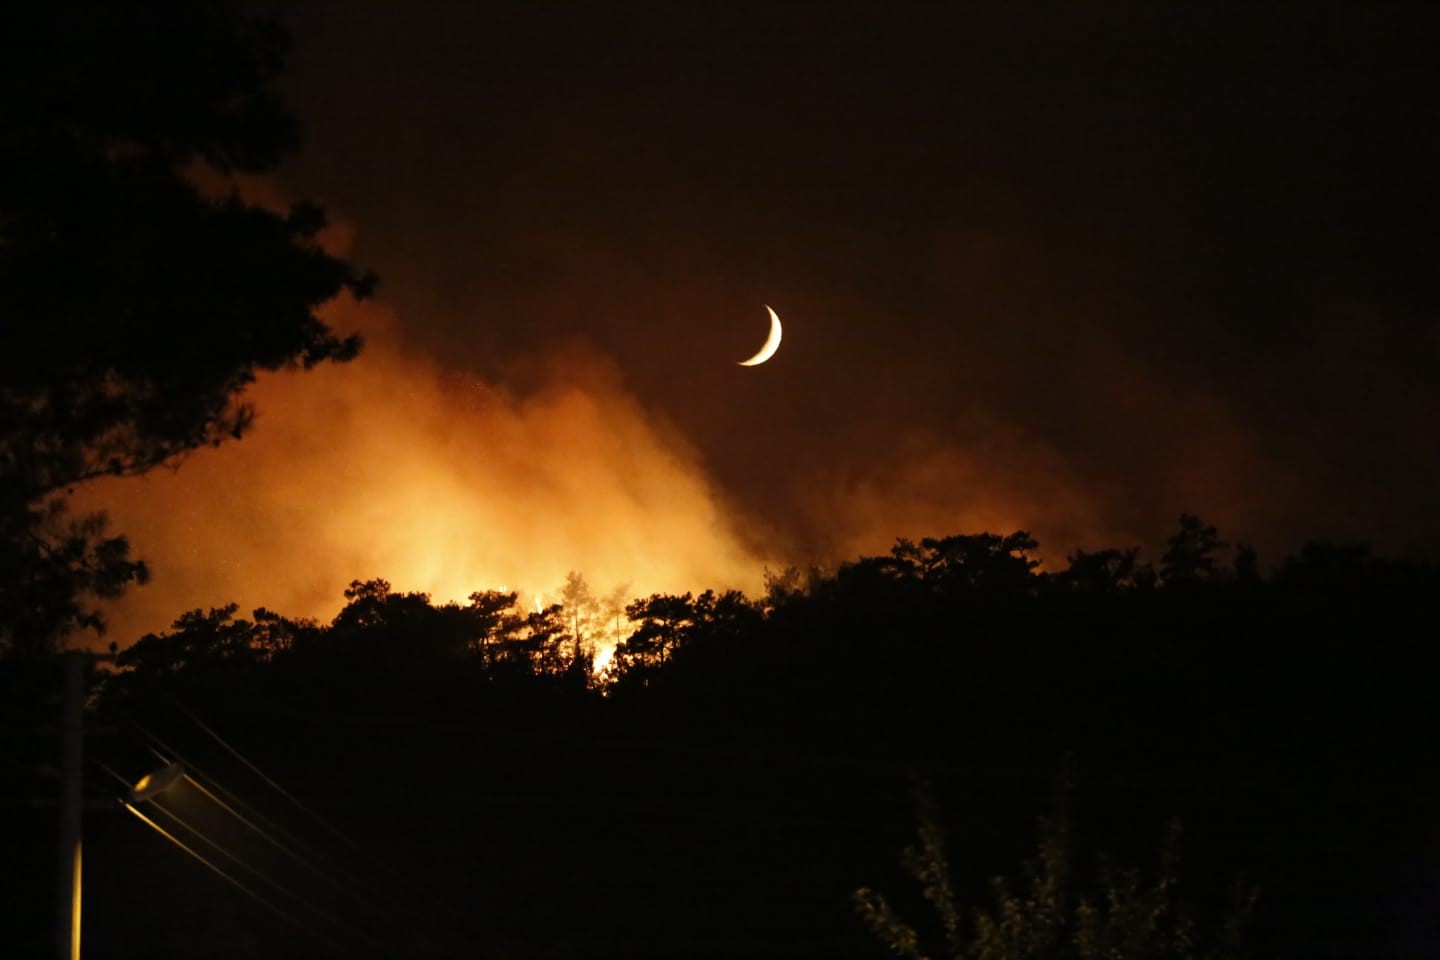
x,y
662,621
514,644
1189,559
727,616
491,620
539,641
1105,571
204,652
49,563
970,563
1327,566
400,629
136,306
1124,917
1247,565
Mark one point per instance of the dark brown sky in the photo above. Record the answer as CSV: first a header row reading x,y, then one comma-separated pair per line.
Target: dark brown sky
x,y
1187,254
1075,267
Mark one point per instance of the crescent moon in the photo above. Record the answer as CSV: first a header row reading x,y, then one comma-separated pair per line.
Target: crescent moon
x,y
772,343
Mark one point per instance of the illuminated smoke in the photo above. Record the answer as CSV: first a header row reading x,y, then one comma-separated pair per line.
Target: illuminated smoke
x,y
393,466
440,481
444,481
928,486
437,480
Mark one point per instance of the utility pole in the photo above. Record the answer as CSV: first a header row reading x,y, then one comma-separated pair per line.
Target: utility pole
x,y
72,802
75,664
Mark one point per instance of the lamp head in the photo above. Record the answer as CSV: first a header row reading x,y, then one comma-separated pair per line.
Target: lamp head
x,y
153,784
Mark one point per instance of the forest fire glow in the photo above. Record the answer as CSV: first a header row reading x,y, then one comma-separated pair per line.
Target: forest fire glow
x,y
397,466
391,466
394,466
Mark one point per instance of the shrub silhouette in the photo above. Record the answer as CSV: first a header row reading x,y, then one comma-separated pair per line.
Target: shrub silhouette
x,y
1124,916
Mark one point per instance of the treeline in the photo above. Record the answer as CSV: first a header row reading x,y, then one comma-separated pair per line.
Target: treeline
x,y
754,751
420,651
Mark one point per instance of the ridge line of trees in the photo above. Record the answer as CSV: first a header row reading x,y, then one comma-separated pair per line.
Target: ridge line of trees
x,y
384,636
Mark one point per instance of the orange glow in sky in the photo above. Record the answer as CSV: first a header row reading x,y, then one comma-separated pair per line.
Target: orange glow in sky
x,y
397,466
391,466
394,466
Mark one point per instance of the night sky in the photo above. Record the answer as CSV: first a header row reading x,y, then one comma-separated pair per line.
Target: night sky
x,y
1074,268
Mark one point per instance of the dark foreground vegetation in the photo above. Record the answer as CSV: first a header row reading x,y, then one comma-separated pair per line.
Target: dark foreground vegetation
x,y
746,765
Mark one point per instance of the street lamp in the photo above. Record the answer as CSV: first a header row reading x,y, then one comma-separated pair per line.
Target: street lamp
x,y
147,788
153,784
